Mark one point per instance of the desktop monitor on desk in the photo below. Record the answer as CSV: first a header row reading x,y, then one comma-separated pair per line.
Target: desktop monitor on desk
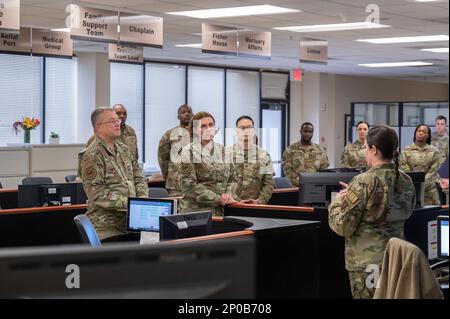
x,y
185,225
51,195
443,239
143,213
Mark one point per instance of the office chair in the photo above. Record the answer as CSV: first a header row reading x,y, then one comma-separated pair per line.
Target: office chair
x,y
36,180
1,186
282,182
70,178
157,192
442,195
87,230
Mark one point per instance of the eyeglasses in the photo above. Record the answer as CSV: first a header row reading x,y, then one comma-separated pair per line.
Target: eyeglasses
x,y
111,122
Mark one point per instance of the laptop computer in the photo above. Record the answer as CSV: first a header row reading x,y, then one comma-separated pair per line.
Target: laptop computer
x,y
143,213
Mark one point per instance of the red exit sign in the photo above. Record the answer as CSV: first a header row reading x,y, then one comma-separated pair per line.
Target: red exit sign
x,y
296,75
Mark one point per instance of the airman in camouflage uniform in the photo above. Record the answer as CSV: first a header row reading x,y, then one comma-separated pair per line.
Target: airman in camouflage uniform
x,y
439,139
110,175
170,147
304,156
353,155
368,215
426,158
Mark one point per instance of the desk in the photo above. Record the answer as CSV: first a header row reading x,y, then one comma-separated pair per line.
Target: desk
x,y
9,198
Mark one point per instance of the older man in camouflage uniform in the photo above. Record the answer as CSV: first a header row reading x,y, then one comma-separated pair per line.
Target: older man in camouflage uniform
x,y
110,174
439,139
127,133
368,214
304,156
169,149
252,165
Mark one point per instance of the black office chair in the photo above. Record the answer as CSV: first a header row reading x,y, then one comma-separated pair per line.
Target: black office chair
x,y
282,182
442,195
157,192
1,186
36,180
87,230
70,178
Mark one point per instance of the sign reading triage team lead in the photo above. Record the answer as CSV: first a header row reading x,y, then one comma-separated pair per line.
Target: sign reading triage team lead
x,y
219,39
93,24
52,42
16,42
141,29
254,43
125,53
314,51
10,15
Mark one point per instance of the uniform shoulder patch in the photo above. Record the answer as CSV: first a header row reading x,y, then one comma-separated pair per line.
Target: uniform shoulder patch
x,y
352,196
185,168
90,173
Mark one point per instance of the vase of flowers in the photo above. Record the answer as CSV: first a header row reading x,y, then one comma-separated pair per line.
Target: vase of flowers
x,y
27,124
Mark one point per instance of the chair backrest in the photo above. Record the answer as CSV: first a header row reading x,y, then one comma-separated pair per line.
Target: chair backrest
x,y
1,186
282,182
36,180
157,192
70,178
87,230
442,195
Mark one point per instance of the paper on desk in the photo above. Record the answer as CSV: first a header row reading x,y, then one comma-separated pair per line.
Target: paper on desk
x,y
149,238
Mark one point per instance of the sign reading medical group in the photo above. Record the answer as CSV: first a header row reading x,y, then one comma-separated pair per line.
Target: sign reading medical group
x,y
314,51
9,15
93,24
141,29
16,42
255,43
125,53
219,39
51,42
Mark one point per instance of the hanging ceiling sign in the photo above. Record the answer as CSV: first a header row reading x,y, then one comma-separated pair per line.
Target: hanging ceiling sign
x,y
16,42
141,29
219,39
9,15
125,53
314,51
51,43
93,24
255,44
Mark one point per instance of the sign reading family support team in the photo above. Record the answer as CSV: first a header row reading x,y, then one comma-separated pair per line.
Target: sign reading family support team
x,y
219,39
51,43
16,42
93,24
314,51
141,29
10,15
253,43
125,53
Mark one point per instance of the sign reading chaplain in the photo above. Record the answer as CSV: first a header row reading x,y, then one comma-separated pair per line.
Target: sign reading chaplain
x,y
125,53
257,44
52,43
141,29
93,24
10,15
219,39
314,51
16,42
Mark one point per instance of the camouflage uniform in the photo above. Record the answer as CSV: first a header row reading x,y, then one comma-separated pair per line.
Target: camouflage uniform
x,y
353,155
441,143
169,150
299,158
254,173
426,159
368,215
205,175
127,137
109,178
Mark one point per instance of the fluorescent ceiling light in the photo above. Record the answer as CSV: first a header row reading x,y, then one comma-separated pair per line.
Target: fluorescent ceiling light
x,y
395,64
437,50
425,38
61,30
192,45
431,0
334,27
234,12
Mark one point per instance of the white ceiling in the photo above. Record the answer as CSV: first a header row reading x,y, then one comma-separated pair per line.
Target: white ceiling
x,y
407,18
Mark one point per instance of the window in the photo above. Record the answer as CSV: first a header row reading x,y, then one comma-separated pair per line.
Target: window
x,y
61,114
20,95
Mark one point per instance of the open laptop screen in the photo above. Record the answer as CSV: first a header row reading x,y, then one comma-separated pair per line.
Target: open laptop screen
x,y
143,213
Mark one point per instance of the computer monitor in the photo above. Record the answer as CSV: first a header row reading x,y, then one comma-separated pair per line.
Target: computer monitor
x,y
125,270
319,189
442,226
418,179
143,213
185,225
51,195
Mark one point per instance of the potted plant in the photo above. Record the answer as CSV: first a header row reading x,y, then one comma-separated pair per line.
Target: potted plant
x,y
54,138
